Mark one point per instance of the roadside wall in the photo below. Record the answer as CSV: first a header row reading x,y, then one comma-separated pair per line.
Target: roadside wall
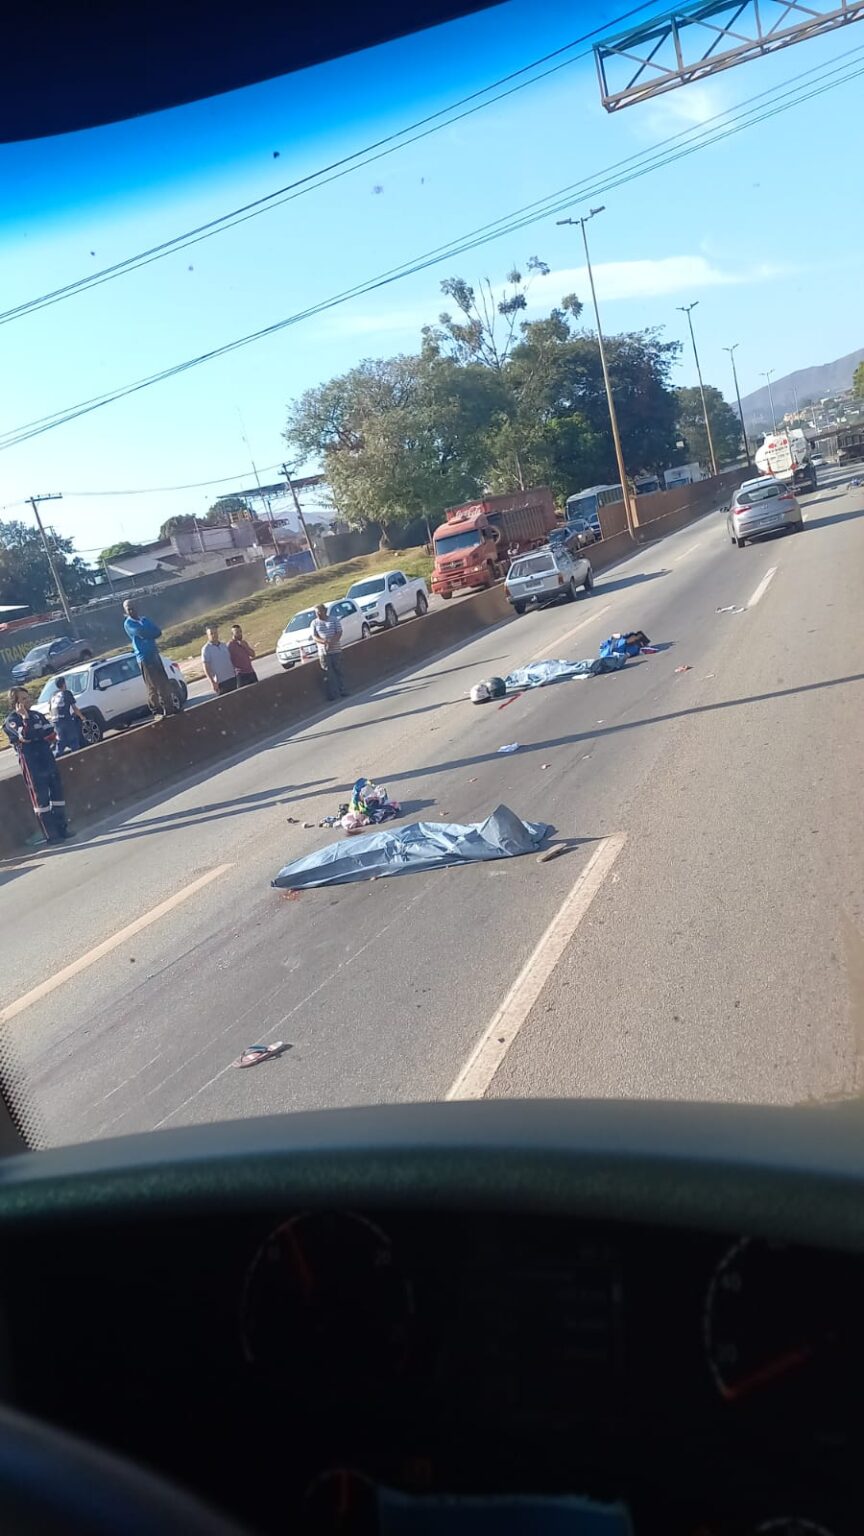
x,y
665,511
127,768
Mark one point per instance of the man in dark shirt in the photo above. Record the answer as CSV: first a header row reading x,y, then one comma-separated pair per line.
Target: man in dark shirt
x,y
242,656
143,634
32,737
66,718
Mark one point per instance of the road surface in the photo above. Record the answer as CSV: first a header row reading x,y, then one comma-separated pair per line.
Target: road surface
x,y
703,937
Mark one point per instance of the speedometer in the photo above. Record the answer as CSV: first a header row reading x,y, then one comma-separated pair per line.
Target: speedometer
x,y
326,1305
781,1329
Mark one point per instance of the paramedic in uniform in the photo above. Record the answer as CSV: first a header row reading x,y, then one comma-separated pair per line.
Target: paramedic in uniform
x,y
32,736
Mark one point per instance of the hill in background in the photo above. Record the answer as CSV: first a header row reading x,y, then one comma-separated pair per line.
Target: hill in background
x,y
810,384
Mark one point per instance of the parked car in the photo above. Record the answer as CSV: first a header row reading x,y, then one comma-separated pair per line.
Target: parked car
x,y
52,656
572,535
111,693
762,506
386,599
295,644
547,576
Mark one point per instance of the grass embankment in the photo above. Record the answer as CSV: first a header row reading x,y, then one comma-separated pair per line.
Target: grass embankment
x,y
264,614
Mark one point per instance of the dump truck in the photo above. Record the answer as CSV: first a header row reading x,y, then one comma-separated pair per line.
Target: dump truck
x,y
474,546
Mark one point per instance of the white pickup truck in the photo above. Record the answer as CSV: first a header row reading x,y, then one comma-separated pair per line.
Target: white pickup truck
x,y
384,600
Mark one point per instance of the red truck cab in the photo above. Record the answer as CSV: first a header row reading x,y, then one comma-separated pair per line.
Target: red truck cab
x,y
475,545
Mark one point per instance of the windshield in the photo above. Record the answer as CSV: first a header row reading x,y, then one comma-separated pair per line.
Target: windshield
x,y
452,543
367,588
300,621
76,682
337,327
763,492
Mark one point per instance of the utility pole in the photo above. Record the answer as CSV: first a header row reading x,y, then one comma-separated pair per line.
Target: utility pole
x,y
55,574
731,351
771,399
299,510
686,309
629,508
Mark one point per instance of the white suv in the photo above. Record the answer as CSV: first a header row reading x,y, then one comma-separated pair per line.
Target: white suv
x,y
110,692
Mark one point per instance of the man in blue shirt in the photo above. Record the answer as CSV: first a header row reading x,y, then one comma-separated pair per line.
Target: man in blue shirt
x,y
143,634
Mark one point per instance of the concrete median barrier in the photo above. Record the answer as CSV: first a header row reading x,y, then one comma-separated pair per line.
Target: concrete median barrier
x,y
125,769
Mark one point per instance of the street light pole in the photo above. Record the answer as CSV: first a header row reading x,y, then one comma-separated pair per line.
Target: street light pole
x,y
299,510
55,574
731,351
686,309
629,510
771,399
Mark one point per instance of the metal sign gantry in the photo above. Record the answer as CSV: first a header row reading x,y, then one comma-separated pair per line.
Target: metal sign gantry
x,y
697,41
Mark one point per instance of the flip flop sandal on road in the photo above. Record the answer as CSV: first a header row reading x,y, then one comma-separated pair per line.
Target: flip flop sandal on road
x,y
255,1054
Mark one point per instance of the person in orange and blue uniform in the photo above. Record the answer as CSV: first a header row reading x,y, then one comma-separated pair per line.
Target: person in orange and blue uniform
x,y
32,736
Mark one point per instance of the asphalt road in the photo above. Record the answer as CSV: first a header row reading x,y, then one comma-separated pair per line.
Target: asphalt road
x,y
702,937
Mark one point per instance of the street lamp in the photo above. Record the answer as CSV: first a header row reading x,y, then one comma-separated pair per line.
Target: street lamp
x,y
731,350
686,309
629,511
767,376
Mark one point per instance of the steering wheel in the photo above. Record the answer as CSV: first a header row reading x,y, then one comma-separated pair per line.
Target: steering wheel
x,y
52,1484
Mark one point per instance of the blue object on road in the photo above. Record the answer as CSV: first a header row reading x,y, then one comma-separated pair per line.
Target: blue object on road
x,y
540,673
421,845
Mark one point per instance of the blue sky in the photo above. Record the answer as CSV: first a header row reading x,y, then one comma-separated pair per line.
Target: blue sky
x,y
720,226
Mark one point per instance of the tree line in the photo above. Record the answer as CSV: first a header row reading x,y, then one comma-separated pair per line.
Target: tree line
x,y
494,402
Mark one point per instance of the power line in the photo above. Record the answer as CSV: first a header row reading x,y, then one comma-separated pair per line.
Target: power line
x,y
345,166
153,490
520,219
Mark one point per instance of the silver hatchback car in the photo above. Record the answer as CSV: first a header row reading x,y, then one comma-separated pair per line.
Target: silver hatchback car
x,y
545,576
762,506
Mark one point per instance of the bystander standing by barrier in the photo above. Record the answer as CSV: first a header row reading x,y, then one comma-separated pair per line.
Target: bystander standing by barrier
x,y
327,634
242,656
217,663
66,718
143,634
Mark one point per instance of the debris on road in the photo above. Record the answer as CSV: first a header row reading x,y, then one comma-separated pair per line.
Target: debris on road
x,y
539,674
545,765
255,1053
488,688
626,643
369,804
730,608
684,669
555,852
290,895
512,746
308,824
421,845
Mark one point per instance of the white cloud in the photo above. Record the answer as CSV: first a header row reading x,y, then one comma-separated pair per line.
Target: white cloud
x,y
644,279
616,281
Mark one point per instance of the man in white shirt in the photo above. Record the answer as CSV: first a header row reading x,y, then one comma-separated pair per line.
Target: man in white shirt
x,y
327,633
217,662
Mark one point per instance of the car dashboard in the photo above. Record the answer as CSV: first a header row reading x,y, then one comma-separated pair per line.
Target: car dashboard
x,y
332,1365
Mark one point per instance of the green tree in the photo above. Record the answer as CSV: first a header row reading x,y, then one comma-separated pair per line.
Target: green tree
x,y
117,551
725,427
181,522
485,329
227,510
858,382
25,575
400,438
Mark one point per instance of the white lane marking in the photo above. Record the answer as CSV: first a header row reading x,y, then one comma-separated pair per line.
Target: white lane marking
x,y
83,962
596,613
763,586
497,1038
686,552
